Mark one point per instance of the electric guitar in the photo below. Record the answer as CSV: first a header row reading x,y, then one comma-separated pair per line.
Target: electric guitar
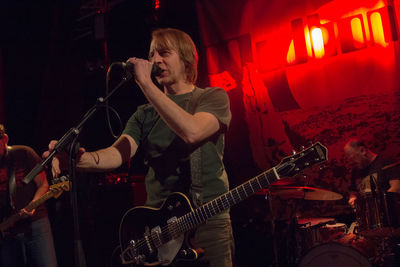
x,y
55,191
150,236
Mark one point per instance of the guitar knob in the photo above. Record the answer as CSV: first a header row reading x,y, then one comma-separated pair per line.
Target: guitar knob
x,y
183,253
293,152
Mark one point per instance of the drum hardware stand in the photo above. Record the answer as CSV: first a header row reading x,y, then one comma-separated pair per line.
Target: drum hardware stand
x,y
384,252
291,258
387,212
273,229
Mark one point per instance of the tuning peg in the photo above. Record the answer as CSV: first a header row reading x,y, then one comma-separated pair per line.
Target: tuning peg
x,y
293,152
64,178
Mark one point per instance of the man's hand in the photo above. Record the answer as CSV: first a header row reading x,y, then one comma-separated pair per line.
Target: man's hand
x,y
142,69
352,200
23,213
394,186
60,160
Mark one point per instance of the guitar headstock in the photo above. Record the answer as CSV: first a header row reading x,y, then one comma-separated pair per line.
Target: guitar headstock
x,y
294,164
57,188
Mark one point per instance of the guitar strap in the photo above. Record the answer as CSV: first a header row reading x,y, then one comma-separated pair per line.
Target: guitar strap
x,y
196,188
11,176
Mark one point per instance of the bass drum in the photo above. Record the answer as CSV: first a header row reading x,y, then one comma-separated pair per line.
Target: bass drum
x,y
335,254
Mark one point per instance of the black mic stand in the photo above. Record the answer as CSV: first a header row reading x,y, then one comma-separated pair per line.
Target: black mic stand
x,y
70,138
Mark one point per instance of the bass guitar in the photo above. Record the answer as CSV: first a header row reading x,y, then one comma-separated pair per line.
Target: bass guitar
x,y
150,236
55,191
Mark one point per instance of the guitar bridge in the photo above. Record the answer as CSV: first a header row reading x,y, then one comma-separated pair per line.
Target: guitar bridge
x,y
130,256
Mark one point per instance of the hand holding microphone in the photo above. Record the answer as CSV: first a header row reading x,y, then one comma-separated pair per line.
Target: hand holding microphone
x,y
155,70
143,70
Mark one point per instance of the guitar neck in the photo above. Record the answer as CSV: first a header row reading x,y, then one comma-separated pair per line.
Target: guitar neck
x,y
39,201
227,200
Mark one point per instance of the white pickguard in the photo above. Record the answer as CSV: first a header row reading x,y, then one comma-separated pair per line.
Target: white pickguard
x,y
168,251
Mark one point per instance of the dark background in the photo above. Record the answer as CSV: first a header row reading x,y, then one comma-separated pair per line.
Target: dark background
x,y
54,56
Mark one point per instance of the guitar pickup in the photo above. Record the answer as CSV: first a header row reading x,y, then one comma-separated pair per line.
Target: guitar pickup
x,y
156,236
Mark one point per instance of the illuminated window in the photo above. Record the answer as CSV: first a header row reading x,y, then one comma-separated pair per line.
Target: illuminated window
x,y
317,42
377,29
291,55
352,33
329,37
297,52
357,32
382,26
308,41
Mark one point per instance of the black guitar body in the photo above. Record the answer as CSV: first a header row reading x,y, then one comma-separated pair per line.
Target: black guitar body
x,y
153,237
152,231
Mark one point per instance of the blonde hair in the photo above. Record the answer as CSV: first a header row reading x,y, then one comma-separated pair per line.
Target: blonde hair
x,y
179,41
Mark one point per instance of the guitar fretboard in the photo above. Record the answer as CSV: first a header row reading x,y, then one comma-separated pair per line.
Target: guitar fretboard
x,y
225,201
39,201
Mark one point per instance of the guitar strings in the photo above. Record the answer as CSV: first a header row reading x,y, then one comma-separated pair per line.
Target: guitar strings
x,y
186,222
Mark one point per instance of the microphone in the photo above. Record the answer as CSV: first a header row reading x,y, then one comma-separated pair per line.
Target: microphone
x,y
155,70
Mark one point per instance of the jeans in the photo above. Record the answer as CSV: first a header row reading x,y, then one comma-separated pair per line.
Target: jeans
x,y
33,249
216,238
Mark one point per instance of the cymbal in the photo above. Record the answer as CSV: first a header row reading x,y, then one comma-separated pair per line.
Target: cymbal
x,y
284,181
303,192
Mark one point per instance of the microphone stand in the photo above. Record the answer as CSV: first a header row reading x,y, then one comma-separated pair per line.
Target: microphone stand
x,y
70,138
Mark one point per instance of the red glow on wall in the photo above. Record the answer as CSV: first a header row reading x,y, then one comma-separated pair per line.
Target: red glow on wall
x,y
268,58
223,80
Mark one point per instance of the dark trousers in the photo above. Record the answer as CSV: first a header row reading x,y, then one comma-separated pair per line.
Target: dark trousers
x,y
216,238
35,249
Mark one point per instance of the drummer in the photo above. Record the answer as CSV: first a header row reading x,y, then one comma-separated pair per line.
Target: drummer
x,y
371,172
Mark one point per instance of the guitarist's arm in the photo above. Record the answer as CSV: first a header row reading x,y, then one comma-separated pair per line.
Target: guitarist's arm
x,y
101,160
42,187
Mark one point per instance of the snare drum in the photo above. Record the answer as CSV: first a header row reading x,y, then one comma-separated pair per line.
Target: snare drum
x,y
334,254
332,231
314,231
378,211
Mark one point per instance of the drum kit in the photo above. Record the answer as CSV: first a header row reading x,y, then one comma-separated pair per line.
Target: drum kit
x,y
372,240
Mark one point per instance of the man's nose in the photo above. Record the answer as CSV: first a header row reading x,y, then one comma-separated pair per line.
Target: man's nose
x,y
156,57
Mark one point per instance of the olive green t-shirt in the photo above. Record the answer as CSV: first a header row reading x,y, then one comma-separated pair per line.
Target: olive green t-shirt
x,y
167,155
